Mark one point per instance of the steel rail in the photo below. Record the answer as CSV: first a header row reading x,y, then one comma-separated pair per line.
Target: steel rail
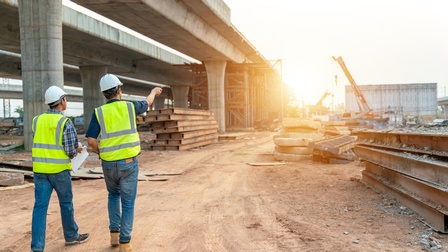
x,y
433,217
413,168
406,140
422,168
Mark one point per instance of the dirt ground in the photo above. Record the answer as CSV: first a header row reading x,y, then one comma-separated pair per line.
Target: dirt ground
x,y
221,203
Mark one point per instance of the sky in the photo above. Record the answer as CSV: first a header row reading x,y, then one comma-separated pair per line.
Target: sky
x,y
381,42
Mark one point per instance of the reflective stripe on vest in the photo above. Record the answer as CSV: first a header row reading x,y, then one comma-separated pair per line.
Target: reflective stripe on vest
x,y
119,138
47,151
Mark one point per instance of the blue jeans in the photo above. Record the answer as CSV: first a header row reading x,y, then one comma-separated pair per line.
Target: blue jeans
x,y
43,188
121,182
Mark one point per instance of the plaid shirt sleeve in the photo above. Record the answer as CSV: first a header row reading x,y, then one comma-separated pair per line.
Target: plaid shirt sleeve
x,y
70,139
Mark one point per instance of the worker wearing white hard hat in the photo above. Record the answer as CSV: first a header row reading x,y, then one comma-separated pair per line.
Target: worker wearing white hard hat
x,y
55,143
115,124
109,81
54,95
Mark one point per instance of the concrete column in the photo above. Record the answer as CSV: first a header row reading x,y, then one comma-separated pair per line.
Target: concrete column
x,y
248,108
180,96
92,95
216,100
42,60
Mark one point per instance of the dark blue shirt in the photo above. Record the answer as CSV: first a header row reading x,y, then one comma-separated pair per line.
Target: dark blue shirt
x,y
94,126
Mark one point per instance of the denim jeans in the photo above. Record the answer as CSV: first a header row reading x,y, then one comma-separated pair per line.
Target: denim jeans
x,y
121,182
43,188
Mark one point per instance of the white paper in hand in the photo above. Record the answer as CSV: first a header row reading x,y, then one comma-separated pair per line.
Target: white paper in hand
x,y
79,159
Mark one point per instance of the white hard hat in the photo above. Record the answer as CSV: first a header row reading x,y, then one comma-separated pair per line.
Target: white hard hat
x,y
54,94
109,81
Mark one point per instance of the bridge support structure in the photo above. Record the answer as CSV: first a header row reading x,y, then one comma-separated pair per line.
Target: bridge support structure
x,y
251,96
42,60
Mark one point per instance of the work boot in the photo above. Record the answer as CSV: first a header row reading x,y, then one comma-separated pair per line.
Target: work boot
x,y
125,247
114,237
81,239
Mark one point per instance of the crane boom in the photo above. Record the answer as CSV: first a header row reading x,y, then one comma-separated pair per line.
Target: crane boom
x,y
359,96
321,100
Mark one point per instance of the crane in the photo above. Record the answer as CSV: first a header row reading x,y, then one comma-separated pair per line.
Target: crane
x,y
362,103
318,107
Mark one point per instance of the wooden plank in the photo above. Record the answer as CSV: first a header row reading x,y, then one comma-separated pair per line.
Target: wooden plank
x,y
192,140
169,124
177,117
232,136
163,136
157,125
158,147
183,129
190,134
160,142
184,111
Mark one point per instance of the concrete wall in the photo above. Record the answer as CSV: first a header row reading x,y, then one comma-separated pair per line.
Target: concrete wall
x,y
411,99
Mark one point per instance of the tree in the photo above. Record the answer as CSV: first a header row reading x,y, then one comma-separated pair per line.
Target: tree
x,y
19,110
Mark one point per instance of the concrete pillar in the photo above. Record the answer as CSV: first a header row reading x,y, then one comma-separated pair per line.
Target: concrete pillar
x,y
180,96
42,60
92,95
216,100
248,108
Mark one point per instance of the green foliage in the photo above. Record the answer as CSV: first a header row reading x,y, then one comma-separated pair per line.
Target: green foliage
x,y
19,110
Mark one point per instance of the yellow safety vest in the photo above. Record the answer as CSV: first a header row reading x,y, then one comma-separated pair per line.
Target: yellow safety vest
x,y
47,151
119,138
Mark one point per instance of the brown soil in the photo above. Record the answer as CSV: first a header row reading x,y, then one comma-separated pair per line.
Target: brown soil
x,y
221,203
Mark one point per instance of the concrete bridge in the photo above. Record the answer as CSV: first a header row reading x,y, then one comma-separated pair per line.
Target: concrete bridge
x,y
50,44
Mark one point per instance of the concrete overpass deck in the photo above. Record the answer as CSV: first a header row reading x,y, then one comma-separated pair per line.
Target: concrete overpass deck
x,y
88,41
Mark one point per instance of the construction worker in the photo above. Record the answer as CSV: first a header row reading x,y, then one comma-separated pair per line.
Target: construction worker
x,y
55,142
115,124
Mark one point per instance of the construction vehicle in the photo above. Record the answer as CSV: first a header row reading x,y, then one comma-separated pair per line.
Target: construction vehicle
x,y
365,111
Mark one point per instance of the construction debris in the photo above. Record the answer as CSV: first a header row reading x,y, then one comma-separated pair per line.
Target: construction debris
x,y
292,142
335,128
10,145
11,178
334,149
